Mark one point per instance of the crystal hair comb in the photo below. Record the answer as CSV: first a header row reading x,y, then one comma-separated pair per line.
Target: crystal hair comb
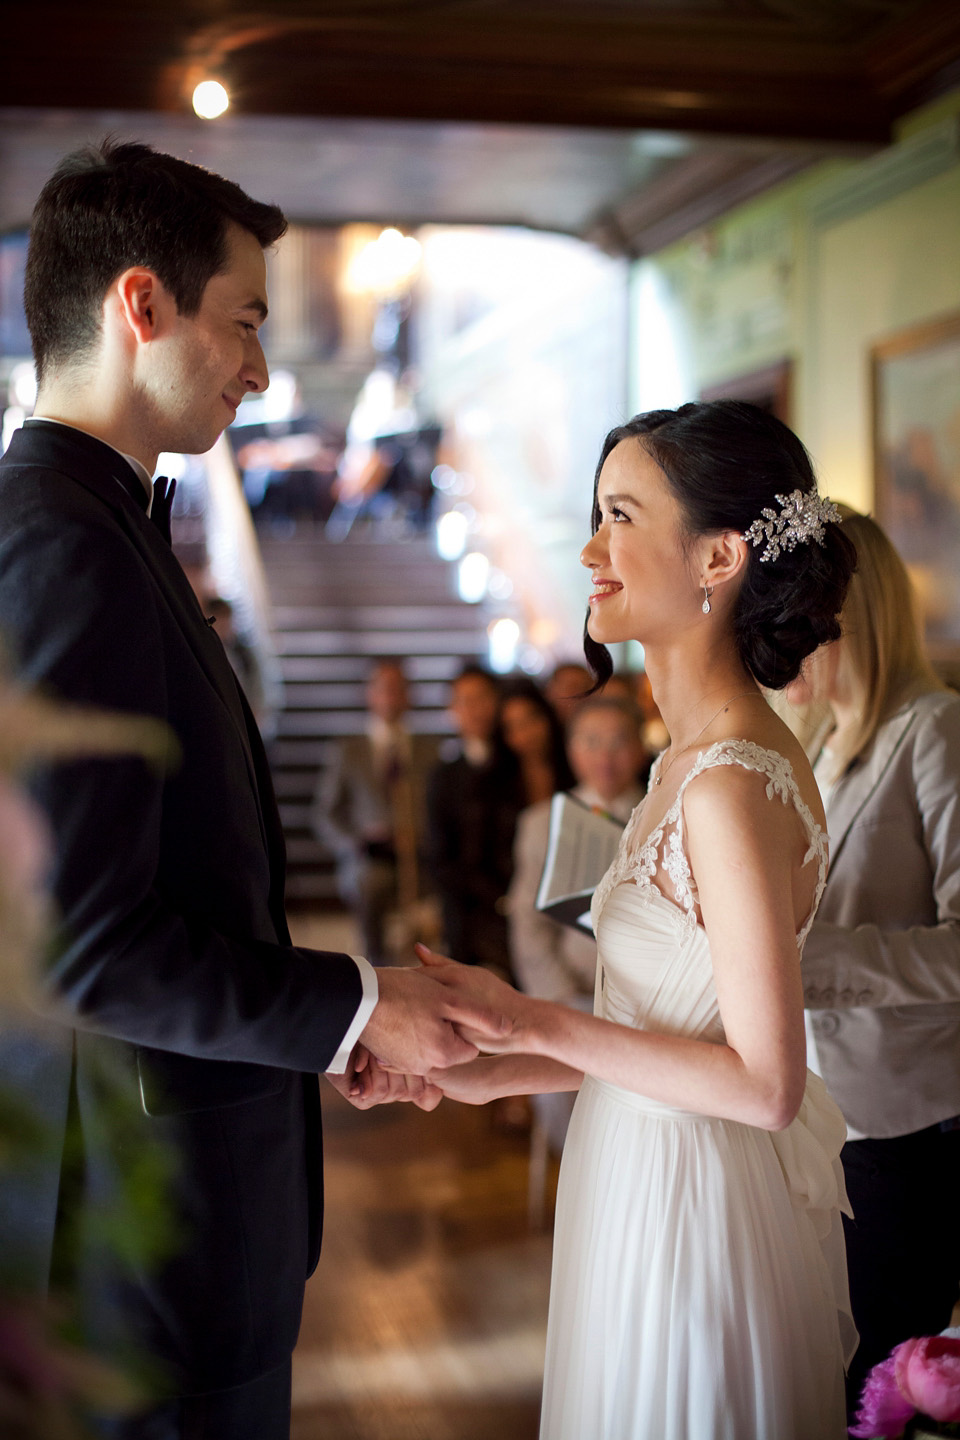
x,y
802,519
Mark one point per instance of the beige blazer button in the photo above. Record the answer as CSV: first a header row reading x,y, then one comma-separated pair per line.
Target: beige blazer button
x,y
865,997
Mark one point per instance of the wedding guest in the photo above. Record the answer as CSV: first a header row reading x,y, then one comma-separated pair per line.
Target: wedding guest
x,y
881,967
655,735
369,809
624,685
472,810
550,960
241,654
570,683
534,734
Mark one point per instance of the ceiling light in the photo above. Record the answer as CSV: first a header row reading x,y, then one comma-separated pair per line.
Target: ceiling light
x,y
503,639
210,99
472,573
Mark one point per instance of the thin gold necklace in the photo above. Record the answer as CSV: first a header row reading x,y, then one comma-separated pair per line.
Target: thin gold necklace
x,y
726,704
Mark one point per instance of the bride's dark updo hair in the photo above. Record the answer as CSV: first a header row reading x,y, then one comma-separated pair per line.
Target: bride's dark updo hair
x,y
725,462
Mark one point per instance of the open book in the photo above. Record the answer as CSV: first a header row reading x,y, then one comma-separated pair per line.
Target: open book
x,y
581,846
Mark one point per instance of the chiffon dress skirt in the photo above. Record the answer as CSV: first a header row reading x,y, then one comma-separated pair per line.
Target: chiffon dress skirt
x,y
699,1281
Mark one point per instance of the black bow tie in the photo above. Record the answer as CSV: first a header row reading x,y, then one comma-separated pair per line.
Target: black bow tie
x,y
163,493
162,507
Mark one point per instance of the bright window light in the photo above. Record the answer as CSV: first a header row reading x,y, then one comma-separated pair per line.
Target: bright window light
x,y
499,585
452,535
442,477
503,638
472,577
386,266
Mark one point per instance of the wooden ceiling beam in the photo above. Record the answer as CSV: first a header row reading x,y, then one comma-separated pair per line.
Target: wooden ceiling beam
x,y
747,70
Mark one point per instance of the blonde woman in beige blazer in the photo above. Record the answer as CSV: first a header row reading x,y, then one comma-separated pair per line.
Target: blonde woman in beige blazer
x,y
881,966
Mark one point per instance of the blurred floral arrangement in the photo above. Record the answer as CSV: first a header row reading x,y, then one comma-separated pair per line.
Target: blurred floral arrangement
x,y
914,1392
48,1380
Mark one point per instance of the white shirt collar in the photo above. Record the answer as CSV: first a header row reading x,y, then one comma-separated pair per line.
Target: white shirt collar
x,y
476,751
387,737
138,468
621,807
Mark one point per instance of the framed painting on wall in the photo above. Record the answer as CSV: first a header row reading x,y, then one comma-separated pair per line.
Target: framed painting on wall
x,y
916,450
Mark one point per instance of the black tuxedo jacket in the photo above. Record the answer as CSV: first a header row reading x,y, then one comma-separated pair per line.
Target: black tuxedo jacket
x,y
173,952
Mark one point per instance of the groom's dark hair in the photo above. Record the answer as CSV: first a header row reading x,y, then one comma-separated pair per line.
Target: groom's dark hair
x,y
118,204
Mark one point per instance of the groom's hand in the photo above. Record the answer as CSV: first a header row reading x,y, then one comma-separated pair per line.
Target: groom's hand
x,y
365,1083
413,1027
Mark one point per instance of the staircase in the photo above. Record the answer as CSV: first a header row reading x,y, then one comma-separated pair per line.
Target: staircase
x,y
337,607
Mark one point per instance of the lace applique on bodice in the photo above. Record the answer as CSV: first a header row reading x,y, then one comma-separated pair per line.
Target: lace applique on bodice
x,y
664,847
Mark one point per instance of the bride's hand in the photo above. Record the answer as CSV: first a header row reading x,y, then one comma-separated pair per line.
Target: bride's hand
x,y
469,1083
473,983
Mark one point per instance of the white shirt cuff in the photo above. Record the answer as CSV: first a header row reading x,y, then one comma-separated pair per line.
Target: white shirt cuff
x,y
371,994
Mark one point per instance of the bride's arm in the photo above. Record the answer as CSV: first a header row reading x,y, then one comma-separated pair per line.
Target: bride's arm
x,y
494,1076
745,851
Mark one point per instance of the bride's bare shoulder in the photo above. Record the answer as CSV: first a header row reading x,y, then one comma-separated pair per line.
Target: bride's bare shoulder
x,y
760,744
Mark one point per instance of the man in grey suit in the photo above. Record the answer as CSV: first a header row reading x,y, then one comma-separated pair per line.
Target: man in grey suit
x,y
369,809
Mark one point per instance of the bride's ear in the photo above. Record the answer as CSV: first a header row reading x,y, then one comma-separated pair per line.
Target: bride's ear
x,y
724,558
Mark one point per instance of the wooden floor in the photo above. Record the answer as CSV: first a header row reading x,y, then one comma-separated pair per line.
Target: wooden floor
x,y
426,1317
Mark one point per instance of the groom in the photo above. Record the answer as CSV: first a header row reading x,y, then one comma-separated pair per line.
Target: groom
x,y
145,292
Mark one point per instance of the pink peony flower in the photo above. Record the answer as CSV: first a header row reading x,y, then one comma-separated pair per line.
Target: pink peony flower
x,y
883,1410
928,1373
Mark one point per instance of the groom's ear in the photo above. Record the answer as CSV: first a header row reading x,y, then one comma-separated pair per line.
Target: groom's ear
x,y
142,304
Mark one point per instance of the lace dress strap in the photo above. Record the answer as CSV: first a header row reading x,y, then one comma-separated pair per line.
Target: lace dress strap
x,y
640,863
781,783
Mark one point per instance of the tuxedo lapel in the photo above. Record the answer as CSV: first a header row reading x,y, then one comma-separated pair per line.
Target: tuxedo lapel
x,y
103,472
270,817
853,790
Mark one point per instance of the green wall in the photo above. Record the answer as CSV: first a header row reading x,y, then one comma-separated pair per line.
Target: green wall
x,y
816,272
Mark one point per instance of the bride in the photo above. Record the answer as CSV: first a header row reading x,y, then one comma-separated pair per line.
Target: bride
x,y
699,1282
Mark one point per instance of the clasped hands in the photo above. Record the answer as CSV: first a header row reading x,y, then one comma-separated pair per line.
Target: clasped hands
x,y
428,1022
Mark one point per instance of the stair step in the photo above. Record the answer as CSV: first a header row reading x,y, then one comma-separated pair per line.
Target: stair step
x,y
299,754
308,885
334,609
294,817
445,616
306,850
315,545
313,724
324,579
295,669
374,592
381,642
300,695
295,784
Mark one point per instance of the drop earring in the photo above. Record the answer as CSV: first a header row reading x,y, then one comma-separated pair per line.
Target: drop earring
x,y
707,592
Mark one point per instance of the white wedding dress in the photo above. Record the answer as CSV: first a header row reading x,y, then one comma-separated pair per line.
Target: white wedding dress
x,y
699,1285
